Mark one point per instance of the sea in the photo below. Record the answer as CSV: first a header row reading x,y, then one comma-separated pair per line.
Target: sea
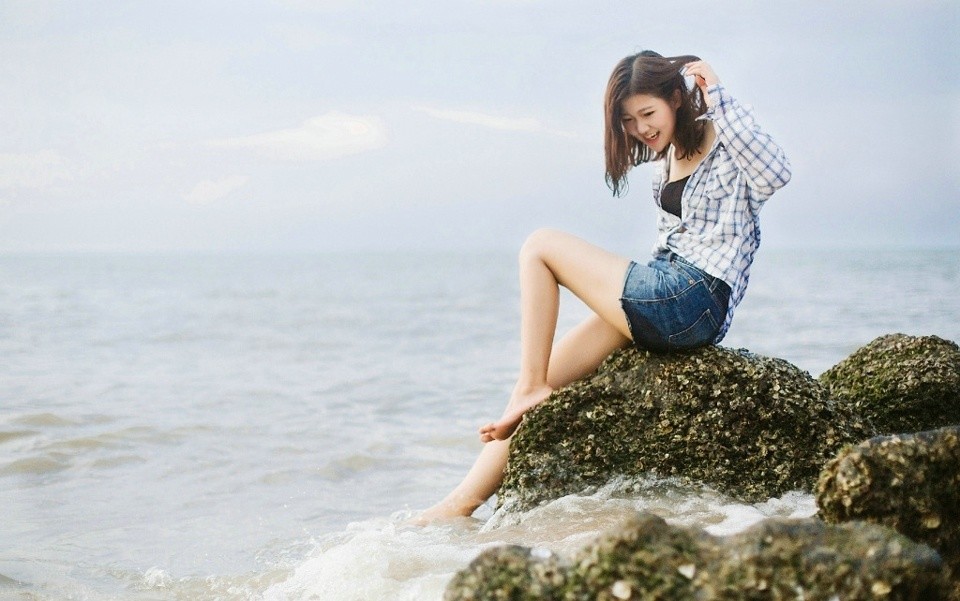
x,y
263,426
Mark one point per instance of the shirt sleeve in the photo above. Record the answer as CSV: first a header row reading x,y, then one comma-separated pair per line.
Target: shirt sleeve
x,y
763,162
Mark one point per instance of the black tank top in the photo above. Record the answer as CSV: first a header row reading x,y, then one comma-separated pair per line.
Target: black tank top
x,y
670,196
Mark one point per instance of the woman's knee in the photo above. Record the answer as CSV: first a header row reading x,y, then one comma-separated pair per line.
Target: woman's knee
x,y
539,243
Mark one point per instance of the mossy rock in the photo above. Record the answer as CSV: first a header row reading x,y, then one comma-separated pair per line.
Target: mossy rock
x,y
645,558
508,573
900,383
750,426
783,559
909,482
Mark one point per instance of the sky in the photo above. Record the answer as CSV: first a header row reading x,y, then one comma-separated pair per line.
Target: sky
x,y
298,126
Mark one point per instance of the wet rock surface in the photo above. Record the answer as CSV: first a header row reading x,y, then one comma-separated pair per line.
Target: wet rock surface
x,y
750,426
509,572
900,383
909,482
646,558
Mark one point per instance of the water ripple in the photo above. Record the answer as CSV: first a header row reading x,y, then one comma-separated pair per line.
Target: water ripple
x,y
16,434
40,420
33,465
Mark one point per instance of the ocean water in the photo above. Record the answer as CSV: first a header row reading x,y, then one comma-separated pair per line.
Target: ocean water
x,y
259,427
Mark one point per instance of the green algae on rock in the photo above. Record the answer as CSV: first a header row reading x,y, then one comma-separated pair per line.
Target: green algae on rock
x,y
909,482
900,383
750,426
646,558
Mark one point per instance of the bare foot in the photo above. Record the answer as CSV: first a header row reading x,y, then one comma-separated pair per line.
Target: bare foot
x,y
501,429
520,403
444,511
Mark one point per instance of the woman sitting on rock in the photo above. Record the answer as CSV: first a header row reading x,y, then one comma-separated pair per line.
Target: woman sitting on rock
x,y
716,168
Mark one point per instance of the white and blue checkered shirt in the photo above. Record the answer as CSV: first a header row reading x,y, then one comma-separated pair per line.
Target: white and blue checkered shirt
x,y
721,202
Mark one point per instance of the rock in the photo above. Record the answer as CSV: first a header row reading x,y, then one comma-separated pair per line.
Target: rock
x,y
509,572
646,558
809,559
750,426
909,482
900,383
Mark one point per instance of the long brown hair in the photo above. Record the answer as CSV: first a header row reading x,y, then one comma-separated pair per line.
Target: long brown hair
x,y
648,73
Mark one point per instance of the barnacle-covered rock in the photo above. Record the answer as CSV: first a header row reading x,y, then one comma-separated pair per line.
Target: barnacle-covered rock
x,y
900,383
646,558
909,482
511,573
750,426
809,559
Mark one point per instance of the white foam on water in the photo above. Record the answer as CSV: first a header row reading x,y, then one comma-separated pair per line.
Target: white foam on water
x,y
385,559
380,559
740,516
675,502
156,577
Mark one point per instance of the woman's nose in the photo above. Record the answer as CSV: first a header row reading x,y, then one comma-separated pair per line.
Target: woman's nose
x,y
637,130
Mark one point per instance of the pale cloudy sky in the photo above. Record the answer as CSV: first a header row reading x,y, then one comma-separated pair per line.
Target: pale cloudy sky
x,y
337,124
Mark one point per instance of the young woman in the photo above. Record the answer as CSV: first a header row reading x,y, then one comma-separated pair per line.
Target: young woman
x,y
716,168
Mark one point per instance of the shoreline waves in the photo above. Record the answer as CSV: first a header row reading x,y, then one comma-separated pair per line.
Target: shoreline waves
x,y
258,427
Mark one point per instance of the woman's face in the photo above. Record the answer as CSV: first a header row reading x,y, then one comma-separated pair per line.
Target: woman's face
x,y
650,119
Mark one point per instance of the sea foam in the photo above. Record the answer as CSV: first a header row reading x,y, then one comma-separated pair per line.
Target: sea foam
x,y
386,559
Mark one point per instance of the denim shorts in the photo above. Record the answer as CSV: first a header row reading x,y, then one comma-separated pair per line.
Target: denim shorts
x,y
672,305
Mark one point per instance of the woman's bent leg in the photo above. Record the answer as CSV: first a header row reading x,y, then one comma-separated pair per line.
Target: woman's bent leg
x,y
549,259
577,354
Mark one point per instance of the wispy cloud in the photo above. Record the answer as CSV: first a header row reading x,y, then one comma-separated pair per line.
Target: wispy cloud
x,y
34,170
321,138
524,124
209,191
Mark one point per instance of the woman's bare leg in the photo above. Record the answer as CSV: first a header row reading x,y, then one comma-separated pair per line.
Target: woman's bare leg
x,y
548,260
577,354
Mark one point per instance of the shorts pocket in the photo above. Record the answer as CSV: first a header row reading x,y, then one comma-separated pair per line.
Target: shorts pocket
x,y
700,333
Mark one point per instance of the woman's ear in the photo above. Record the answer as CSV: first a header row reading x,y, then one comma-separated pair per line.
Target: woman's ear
x,y
676,100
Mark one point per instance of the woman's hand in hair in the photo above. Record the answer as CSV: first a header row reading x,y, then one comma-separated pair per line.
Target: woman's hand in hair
x,y
703,75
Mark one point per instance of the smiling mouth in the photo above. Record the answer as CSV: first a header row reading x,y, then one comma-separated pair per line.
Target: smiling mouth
x,y
652,138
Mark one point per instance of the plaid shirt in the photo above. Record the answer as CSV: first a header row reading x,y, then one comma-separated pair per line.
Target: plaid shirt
x,y
719,232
